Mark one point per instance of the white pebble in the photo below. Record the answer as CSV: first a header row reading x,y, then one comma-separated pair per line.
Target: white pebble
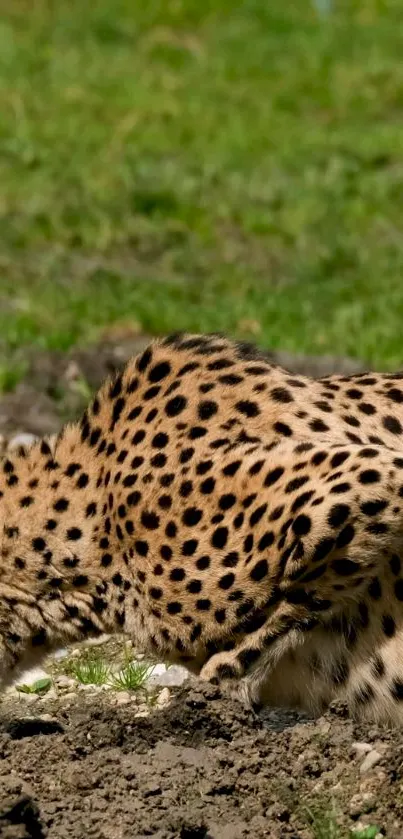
x,y
372,758
91,688
142,712
361,749
65,682
163,698
175,676
123,697
50,694
29,698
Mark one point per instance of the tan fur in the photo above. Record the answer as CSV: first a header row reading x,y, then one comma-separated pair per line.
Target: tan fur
x,y
225,514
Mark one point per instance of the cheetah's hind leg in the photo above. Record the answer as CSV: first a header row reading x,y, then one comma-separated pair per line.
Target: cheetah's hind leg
x,y
326,561
248,667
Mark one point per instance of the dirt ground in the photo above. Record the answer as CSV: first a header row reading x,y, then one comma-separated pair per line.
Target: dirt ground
x,y
202,767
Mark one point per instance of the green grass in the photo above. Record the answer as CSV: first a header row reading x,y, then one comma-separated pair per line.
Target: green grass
x,y
11,374
205,166
41,686
132,676
90,669
324,824
369,832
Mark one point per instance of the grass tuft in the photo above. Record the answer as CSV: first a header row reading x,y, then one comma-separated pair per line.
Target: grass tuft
x,y
90,669
132,676
323,822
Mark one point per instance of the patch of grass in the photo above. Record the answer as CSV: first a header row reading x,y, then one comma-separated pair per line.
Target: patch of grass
x,y
202,166
94,667
41,686
132,676
90,669
323,822
10,374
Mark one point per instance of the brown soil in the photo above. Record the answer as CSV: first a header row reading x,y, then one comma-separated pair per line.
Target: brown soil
x,y
203,767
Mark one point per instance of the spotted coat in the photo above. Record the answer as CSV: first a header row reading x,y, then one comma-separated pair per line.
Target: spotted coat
x,y
225,514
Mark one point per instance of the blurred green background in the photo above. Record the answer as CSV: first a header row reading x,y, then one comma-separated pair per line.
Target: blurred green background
x,y
212,165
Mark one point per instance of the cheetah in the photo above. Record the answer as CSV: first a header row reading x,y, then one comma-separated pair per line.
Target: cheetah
x,y
224,514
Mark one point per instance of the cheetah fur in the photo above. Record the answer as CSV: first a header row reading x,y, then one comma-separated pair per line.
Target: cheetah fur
x,y
224,514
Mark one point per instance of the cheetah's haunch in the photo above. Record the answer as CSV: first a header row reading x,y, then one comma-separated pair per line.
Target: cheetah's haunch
x,y
224,514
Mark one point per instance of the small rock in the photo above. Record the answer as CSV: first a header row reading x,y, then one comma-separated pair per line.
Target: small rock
x,y
123,697
29,698
174,676
152,789
371,783
323,725
143,711
361,749
338,786
65,681
355,808
361,804
372,758
70,695
49,695
91,688
278,811
163,698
